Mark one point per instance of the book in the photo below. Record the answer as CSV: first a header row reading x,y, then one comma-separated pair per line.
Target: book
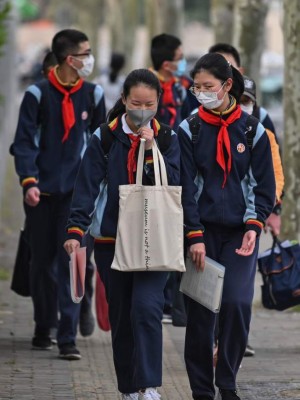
x,y
205,286
77,267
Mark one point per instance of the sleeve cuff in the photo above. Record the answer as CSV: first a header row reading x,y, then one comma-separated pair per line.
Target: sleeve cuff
x,y
75,233
277,209
194,237
254,225
28,183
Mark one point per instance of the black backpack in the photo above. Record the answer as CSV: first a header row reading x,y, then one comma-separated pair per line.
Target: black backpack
x,y
194,122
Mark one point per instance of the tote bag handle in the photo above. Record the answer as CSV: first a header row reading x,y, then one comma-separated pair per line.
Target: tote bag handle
x,y
158,163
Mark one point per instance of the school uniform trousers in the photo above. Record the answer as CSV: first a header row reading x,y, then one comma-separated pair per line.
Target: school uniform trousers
x,y
136,303
234,316
49,273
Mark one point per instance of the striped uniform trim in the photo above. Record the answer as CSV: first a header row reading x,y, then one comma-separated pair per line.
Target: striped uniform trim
x,y
193,234
255,222
104,240
149,160
28,181
75,229
113,124
156,126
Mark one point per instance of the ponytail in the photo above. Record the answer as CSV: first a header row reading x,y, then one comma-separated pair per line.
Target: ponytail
x,y
118,109
237,88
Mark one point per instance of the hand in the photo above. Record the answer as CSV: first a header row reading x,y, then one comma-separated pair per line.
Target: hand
x,y
273,223
71,245
147,134
32,196
198,252
248,244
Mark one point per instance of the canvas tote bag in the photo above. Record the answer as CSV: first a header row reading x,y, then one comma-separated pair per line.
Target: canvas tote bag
x,y
150,225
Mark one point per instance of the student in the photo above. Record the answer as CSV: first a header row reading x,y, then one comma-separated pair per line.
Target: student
x,y
56,118
135,299
232,55
228,193
169,65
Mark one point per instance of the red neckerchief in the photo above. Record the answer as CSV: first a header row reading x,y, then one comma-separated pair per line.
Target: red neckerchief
x,y
168,98
131,160
68,114
135,141
223,140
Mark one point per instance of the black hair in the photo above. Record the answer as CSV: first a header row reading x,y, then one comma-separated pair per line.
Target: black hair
x,y
135,78
49,61
117,62
163,48
220,68
227,49
66,42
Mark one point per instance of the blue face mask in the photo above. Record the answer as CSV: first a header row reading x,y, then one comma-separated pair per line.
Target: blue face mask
x,y
181,67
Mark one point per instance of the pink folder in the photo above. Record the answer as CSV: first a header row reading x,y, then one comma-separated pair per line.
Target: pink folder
x,y
77,266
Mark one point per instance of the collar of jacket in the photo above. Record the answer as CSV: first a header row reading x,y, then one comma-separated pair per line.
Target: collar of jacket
x,y
116,129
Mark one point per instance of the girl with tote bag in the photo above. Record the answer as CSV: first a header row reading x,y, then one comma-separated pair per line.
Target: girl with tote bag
x,y
135,299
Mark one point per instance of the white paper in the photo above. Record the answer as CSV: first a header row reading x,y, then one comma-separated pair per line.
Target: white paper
x,y
205,286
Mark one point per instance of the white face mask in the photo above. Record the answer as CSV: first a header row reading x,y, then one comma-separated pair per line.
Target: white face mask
x,y
210,99
247,108
87,67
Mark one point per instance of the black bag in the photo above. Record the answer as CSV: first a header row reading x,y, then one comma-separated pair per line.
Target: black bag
x,y
280,271
20,280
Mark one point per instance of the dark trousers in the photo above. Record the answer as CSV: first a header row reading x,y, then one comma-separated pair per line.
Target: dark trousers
x,y
136,302
49,275
234,317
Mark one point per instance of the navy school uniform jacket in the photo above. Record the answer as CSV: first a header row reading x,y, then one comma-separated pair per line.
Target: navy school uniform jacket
x,y
180,107
249,193
97,185
41,159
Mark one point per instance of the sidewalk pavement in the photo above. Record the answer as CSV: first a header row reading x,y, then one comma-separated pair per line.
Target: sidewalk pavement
x,y
272,374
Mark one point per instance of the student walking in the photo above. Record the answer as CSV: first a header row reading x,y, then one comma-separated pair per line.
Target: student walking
x,y
228,192
135,299
56,118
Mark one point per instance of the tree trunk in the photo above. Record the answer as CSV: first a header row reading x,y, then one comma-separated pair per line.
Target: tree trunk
x,y
222,20
291,158
249,31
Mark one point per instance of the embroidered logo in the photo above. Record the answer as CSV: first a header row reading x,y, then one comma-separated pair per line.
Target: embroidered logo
x,y
240,148
84,115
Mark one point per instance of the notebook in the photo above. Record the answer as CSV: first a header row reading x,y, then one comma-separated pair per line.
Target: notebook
x,y
77,267
205,286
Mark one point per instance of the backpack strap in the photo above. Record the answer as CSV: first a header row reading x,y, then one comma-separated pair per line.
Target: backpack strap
x,y
251,127
194,122
107,139
164,137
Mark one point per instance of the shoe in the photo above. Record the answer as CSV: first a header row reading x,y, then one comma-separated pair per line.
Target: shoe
x,y
53,333
249,352
203,398
149,394
229,394
41,343
86,323
166,319
130,396
69,352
